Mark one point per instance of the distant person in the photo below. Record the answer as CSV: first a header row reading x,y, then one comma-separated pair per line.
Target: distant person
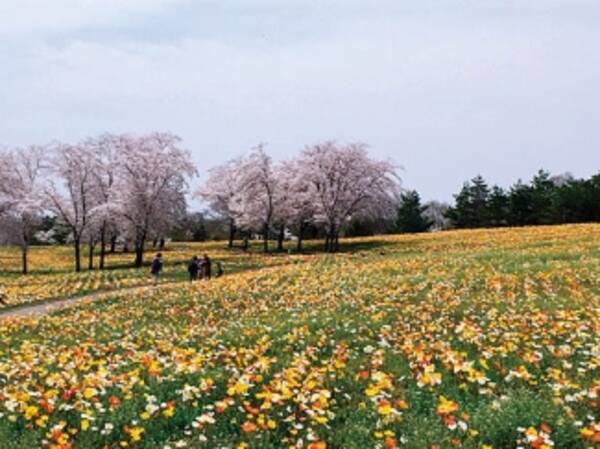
x,y
156,268
193,268
206,267
219,271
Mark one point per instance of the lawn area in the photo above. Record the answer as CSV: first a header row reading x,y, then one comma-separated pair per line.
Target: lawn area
x,y
474,339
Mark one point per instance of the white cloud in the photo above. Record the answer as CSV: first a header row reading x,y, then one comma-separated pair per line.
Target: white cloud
x,y
27,17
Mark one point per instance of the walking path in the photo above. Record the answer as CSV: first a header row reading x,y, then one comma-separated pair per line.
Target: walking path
x,y
43,308
38,309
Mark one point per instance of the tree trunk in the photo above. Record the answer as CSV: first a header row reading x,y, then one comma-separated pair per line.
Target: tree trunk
x,y
139,252
245,244
231,233
125,247
300,236
154,242
280,238
161,243
102,248
336,247
77,244
139,256
113,244
331,241
91,247
24,264
266,239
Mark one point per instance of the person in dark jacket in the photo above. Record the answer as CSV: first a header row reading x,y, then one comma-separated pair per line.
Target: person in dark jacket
x,y
219,272
193,268
206,267
156,268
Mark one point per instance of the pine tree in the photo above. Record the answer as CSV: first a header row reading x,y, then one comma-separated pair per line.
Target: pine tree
x,y
543,199
410,214
498,207
471,208
520,204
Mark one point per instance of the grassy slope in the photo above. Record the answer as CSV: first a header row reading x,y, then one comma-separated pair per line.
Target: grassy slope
x,y
52,277
338,338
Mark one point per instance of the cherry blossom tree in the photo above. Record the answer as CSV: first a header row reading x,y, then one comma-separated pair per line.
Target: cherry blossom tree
x,y
345,182
150,186
21,204
104,220
435,212
295,205
253,204
219,190
74,166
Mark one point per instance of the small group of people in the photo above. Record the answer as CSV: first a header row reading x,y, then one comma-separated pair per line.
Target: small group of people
x,y
197,268
202,268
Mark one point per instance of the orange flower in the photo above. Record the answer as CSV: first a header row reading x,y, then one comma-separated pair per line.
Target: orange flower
x,y
317,445
113,402
249,426
390,443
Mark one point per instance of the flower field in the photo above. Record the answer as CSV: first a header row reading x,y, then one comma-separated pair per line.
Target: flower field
x,y
474,339
53,277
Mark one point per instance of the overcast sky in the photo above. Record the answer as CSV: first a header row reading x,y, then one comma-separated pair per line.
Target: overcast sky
x,y
446,88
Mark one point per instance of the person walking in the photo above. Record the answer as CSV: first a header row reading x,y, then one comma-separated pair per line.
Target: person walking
x,y
156,268
193,268
206,266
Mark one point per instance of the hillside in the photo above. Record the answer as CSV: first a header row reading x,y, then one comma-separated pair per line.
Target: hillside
x,y
474,339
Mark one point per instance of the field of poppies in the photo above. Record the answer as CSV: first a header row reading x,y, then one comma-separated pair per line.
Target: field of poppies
x,y
52,275
474,339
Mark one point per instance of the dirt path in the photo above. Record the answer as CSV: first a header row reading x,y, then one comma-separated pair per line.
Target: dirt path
x,y
38,309
45,307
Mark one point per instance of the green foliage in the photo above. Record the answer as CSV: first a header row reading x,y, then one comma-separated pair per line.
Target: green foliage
x,y
543,201
410,214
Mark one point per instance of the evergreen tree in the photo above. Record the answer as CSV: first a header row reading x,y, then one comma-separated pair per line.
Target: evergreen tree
x,y
410,214
520,204
480,193
543,199
460,214
498,207
471,208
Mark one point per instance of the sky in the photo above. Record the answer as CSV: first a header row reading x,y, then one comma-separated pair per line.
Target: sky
x,y
447,89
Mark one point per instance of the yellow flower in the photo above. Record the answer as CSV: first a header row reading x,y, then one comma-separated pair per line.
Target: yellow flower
x,y
372,390
136,433
384,408
89,393
321,419
445,406
31,412
42,421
